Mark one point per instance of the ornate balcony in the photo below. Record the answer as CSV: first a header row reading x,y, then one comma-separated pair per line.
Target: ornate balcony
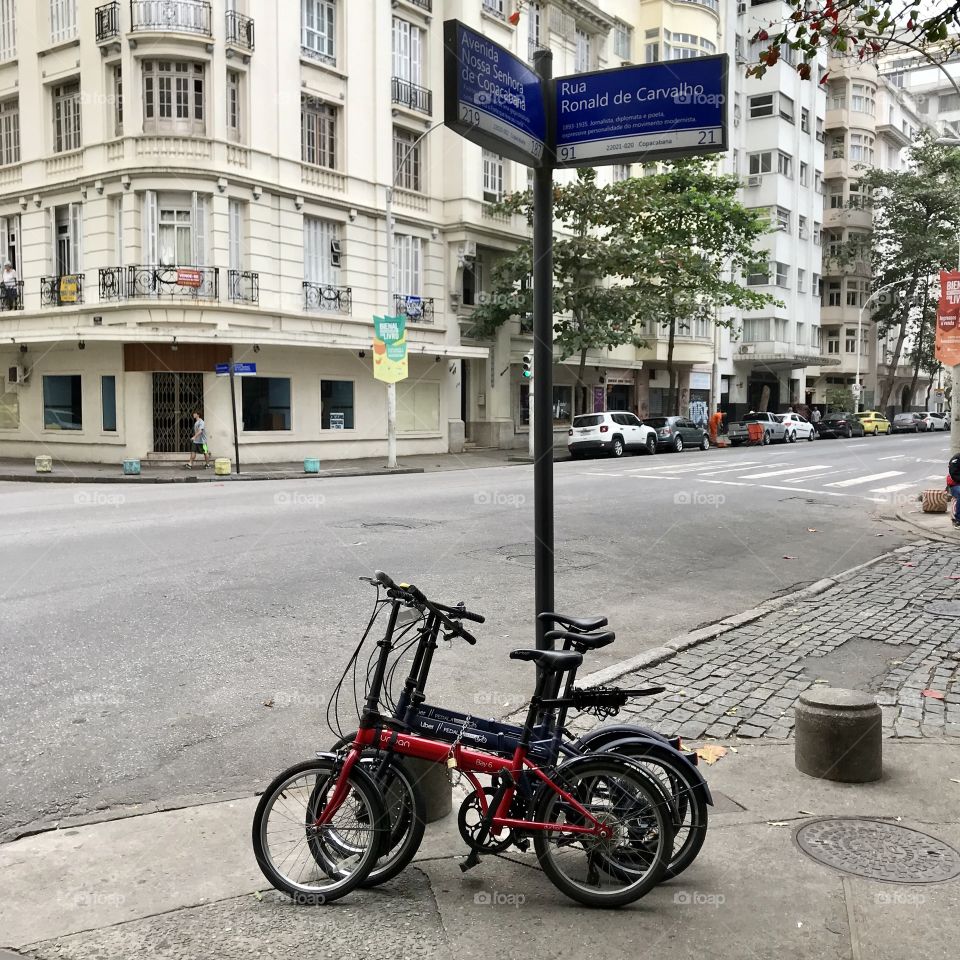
x,y
423,4
11,296
107,20
239,30
410,95
64,290
157,282
243,286
322,296
171,16
112,284
415,309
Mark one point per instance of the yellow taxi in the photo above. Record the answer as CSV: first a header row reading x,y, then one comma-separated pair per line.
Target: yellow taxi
x,y
873,422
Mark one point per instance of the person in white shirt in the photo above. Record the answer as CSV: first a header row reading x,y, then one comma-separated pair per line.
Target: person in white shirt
x,y
9,282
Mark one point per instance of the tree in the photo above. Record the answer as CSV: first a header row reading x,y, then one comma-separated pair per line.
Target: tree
x,y
839,398
916,226
867,30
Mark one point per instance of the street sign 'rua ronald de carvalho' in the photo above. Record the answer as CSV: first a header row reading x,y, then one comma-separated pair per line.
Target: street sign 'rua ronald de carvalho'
x,y
947,341
652,111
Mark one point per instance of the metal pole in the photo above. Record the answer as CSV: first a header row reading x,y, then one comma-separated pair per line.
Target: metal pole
x,y
856,402
955,394
531,446
391,387
233,409
542,426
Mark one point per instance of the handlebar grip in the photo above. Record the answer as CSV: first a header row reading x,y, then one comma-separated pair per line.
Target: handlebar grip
x,y
383,579
469,637
467,615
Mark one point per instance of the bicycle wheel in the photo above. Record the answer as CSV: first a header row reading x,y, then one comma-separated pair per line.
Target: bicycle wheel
x,y
316,864
690,807
617,870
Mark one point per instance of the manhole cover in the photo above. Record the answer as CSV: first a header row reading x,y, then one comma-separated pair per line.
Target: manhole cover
x,y
878,850
387,523
943,608
565,557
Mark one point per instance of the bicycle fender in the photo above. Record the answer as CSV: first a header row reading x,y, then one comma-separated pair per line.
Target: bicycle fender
x,y
666,753
596,738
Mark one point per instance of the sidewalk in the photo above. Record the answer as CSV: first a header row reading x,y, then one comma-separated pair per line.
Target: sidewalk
x,y
183,883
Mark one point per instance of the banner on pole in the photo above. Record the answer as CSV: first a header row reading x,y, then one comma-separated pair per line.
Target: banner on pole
x,y
390,349
947,343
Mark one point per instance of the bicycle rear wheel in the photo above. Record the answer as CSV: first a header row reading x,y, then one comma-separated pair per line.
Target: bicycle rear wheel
x,y
312,863
617,870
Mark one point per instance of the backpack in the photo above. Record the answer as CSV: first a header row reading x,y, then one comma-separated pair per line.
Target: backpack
x,y
953,468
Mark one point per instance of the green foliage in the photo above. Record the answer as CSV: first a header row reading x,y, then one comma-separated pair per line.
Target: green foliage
x,y
840,399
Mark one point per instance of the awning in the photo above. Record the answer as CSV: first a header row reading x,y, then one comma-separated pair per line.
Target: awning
x,y
786,361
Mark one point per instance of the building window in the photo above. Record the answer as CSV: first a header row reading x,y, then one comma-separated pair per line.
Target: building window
x,y
407,160
266,403
780,329
820,129
836,198
336,405
8,29
236,235
9,132
622,40
802,227
175,236
418,407
63,20
850,340
801,281
861,148
833,341
817,181
66,117
833,294
782,221
756,328
408,265
783,274
492,177
948,102
804,119
862,98
804,174
817,233
173,97
62,403
174,232
494,7
836,147
761,162
408,46
317,29
651,52
784,164
760,105
116,79
759,276
9,407
815,337
837,95
67,226
116,216
786,108
621,171
108,404
534,16
582,60
233,105
321,251
801,335
815,287
318,132
562,404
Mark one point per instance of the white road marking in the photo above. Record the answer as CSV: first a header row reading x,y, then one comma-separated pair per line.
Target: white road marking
x,y
894,488
854,481
899,456
935,476
783,473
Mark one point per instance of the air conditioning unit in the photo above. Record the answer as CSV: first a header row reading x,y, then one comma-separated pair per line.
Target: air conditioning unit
x,y
754,180
336,253
748,348
17,375
468,249
741,8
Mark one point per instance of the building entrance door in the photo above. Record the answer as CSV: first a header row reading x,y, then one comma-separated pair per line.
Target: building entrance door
x,y
175,397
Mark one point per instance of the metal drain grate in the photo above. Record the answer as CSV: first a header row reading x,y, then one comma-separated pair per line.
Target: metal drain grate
x,y
878,850
943,608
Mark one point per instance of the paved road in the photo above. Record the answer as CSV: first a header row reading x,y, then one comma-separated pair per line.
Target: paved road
x,y
144,628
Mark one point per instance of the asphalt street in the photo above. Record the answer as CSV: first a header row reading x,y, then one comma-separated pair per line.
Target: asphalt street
x,y
168,642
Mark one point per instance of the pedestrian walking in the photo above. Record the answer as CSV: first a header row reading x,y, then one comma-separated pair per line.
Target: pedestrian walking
x,y
9,282
953,486
715,422
815,416
199,441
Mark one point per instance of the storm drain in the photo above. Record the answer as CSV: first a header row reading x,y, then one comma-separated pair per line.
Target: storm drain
x,y
943,608
878,850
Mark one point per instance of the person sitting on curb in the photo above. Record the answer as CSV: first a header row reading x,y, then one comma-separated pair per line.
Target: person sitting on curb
x,y
199,441
953,486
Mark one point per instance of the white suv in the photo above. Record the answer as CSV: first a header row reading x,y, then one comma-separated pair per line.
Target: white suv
x,y
615,432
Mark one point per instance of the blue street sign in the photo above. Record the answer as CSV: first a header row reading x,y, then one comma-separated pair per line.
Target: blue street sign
x,y
491,96
223,369
239,369
647,112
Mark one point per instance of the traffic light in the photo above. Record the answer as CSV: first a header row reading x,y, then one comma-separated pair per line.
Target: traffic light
x,y
527,366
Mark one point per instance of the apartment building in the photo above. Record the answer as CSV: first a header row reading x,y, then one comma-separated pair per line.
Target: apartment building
x,y
189,182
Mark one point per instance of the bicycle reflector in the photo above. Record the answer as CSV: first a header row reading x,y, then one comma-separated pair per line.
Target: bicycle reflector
x,y
527,366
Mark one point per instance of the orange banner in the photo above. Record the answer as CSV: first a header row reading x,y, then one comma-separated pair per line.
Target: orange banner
x,y
947,344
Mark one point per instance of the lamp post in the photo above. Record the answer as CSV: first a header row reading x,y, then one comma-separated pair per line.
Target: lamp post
x,y
392,387
877,292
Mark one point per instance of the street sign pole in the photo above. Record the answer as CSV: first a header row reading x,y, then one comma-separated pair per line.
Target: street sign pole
x,y
233,409
542,388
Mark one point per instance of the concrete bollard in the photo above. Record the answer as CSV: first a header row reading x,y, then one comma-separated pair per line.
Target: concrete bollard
x,y
221,467
44,464
839,735
434,781
311,465
131,467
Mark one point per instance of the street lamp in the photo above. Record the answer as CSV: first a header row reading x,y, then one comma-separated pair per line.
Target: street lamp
x,y
392,387
886,286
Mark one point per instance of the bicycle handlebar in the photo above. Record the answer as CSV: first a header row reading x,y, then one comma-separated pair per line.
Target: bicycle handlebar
x,y
448,616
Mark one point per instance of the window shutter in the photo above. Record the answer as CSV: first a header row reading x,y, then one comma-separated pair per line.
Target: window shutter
x,y
311,271
235,234
199,232
76,237
416,56
52,227
150,228
397,47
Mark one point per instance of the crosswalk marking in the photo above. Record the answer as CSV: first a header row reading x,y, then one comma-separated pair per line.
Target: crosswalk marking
x,y
894,488
783,473
854,481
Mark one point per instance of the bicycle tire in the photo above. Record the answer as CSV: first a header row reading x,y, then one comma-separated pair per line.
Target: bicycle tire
x,y
347,876
618,857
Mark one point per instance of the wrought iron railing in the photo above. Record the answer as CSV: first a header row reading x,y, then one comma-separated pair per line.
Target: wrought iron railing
x,y
107,18
424,4
180,16
243,286
154,282
112,283
412,96
11,295
322,296
239,30
63,290
415,309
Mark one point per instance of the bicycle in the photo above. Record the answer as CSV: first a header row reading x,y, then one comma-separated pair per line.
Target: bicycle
x,y
602,834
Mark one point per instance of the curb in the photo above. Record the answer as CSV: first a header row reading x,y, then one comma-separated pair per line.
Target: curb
x,y
925,532
694,638
194,478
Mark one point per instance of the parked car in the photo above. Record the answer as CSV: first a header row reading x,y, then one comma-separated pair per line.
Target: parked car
x,y
933,421
874,422
942,420
614,432
908,423
675,433
797,427
840,425
773,429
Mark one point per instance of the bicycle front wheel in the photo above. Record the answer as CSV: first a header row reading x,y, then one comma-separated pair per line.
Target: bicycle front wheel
x,y
317,863
618,869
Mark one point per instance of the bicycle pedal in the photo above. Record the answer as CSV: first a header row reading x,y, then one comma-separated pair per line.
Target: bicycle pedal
x,y
522,843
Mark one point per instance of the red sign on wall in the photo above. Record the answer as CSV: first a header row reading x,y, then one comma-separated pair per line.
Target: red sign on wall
x,y
947,344
189,278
